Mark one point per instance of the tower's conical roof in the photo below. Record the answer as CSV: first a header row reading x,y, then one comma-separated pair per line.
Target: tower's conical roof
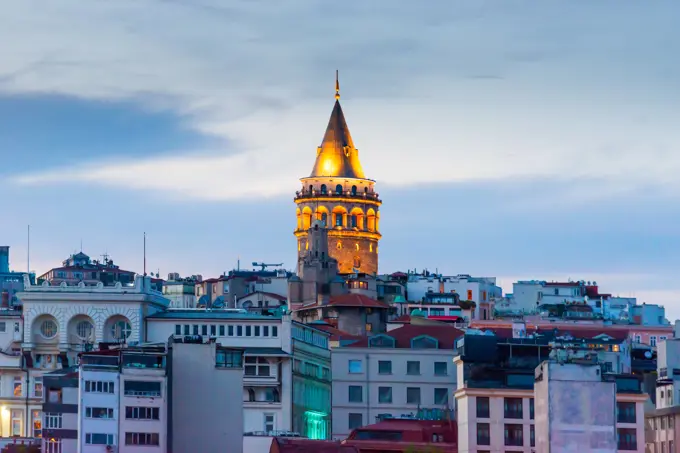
x,y
337,155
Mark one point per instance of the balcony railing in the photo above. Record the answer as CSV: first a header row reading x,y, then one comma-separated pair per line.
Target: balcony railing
x,y
358,195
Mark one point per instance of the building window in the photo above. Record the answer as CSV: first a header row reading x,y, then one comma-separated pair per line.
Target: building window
x,y
627,439
142,413
257,331
652,341
483,434
228,359
239,331
625,412
257,366
143,388
17,421
269,422
48,329
441,368
275,331
532,436
512,408
52,446
483,407
385,395
355,366
37,423
338,222
38,387
204,329
98,412
531,408
469,294
413,367
384,367
52,420
231,331
324,191
355,394
84,330
338,189
412,395
18,386
98,387
356,421
248,331
354,190
265,331
178,329
142,439
221,331
441,396
54,396
514,435
187,331
121,330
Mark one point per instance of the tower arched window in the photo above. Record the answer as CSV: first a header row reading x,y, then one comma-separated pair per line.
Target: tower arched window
x,y
338,219
339,245
324,218
356,246
354,220
338,189
354,190
357,262
311,188
323,189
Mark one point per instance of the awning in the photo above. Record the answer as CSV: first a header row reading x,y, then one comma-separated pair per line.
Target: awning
x,y
265,352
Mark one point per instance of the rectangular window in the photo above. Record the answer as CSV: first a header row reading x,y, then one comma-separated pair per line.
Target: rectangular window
x,y
143,388
257,366
52,420
384,367
142,439
186,329
269,423
531,408
469,294
52,446
226,358
213,330
356,421
441,368
37,423
532,436
354,366
514,435
248,331
483,407
17,422
97,387
627,439
204,329
98,412
221,331
625,412
141,413
257,331
275,331
512,408
231,331
99,439
385,395
413,367
17,386
3,327
38,387
652,340
441,396
265,331
195,329
412,395
483,434
239,331
356,394
178,329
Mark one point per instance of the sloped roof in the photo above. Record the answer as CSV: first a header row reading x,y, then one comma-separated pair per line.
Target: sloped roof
x,y
350,300
446,336
298,445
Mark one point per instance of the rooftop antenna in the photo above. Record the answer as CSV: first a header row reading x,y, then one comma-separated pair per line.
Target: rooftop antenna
x,y
145,253
28,250
81,245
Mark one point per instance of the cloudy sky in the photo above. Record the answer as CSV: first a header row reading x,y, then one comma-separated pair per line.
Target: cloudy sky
x,y
516,139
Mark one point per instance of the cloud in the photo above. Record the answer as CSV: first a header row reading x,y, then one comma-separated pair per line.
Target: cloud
x,y
457,92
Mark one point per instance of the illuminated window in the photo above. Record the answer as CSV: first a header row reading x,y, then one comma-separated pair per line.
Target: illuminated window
x,y
469,294
353,221
324,218
357,262
356,246
323,189
306,245
339,246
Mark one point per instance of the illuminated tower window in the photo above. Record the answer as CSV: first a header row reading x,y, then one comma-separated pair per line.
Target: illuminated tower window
x,y
370,247
306,245
354,190
357,262
338,189
356,246
339,245
324,218
323,189
354,221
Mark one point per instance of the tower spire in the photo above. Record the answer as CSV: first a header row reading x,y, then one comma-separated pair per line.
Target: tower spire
x,y
337,86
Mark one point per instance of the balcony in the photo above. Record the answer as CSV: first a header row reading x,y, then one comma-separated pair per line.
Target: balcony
x,y
358,196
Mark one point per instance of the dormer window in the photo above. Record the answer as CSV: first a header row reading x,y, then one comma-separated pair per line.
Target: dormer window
x,y
381,341
424,342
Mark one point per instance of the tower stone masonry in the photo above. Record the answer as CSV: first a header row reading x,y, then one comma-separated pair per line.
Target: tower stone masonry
x,y
338,194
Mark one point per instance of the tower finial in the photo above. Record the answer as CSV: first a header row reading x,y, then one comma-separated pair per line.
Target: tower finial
x,y
337,86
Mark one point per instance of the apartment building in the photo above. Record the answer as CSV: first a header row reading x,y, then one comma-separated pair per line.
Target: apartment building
x,y
59,426
265,341
123,400
496,391
205,386
407,371
663,423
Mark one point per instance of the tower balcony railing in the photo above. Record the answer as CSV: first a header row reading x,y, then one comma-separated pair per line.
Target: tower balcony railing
x,y
306,193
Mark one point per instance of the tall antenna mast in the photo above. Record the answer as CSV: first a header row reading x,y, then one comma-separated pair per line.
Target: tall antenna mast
x,y
28,251
145,253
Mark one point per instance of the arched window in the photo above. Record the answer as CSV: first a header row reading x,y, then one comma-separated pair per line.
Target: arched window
x,y
370,247
354,190
324,218
339,245
338,189
357,262
365,189
356,246
323,189
354,221
338,219
311,188
424,342
381,341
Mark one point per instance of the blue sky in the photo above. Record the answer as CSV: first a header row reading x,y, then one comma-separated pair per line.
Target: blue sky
x,y
515,139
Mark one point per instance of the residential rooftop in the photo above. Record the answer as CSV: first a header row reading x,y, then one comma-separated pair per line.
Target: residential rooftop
x,y
213,314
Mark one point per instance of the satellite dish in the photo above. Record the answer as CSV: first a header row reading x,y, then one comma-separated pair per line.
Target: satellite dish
x,y
648,354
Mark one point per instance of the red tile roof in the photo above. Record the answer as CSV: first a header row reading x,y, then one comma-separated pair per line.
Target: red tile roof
x,y
405,319
350,300
446,335
336,334
297,445
415,435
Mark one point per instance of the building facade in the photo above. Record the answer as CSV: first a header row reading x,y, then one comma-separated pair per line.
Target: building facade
x,y
338,194
405,372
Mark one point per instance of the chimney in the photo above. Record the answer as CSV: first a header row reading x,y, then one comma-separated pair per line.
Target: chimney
x,y
4,259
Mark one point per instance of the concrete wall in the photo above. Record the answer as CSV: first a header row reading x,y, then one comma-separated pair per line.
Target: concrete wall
x,y
207,402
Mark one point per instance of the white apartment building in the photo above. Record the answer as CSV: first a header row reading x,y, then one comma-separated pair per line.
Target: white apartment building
x,y
123,401
405,371
267,368
663,423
